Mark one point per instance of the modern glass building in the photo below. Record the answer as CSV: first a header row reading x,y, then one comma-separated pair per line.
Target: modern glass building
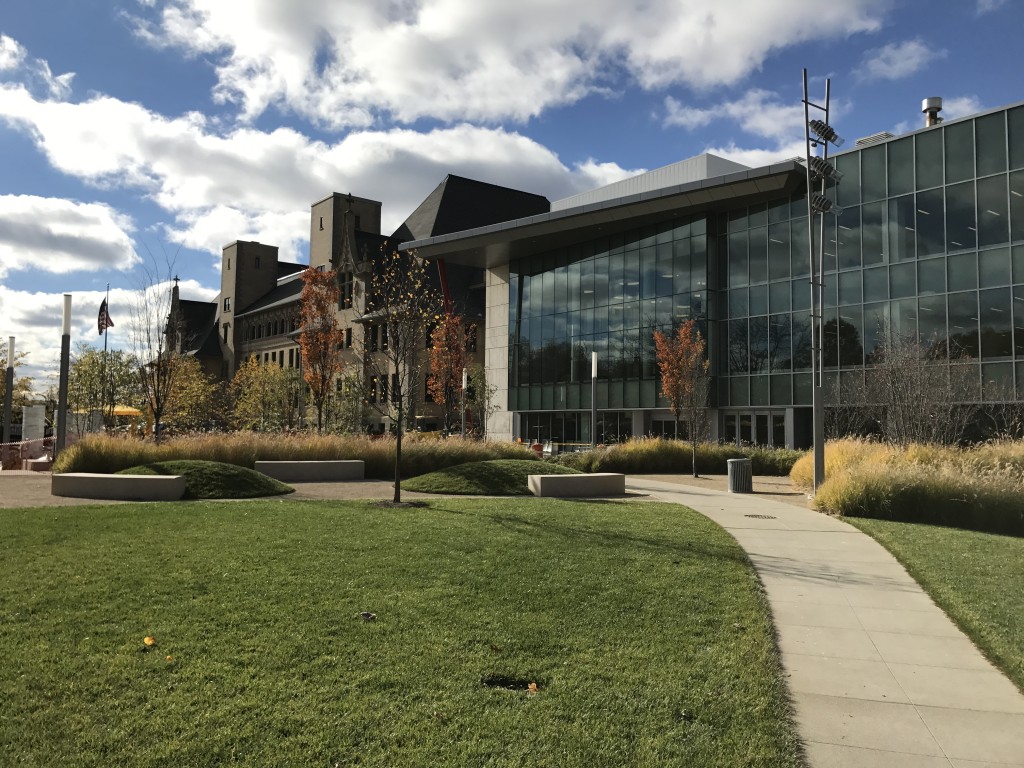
x,y
930,241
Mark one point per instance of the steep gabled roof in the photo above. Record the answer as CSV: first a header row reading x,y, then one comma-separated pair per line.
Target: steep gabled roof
x,y
199,319
458,204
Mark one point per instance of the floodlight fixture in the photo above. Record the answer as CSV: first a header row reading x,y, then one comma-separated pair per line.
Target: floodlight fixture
x,y
821,204
823,169
825,132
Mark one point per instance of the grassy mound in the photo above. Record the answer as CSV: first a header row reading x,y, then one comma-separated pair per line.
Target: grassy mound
x,y
215,480
506,477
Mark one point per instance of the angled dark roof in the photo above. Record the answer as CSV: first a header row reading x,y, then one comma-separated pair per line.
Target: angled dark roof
x,y
199,319
284,293
285,268
458,204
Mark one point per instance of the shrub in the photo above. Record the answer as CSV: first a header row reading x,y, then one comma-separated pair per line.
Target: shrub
x,y
509,477
652,455
106,454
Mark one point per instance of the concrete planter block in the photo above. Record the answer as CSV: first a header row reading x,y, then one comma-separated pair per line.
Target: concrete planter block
x,y
586,486
84,485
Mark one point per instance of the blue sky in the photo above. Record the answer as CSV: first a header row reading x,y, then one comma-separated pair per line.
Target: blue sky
x,y
142,130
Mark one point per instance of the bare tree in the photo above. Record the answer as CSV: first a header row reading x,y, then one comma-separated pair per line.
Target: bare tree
x,y
917,393
157,335
401,304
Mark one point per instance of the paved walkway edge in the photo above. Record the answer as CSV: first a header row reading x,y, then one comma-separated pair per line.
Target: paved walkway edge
x,y
879,675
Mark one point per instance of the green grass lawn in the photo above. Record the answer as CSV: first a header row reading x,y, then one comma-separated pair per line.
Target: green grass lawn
x,y
641,624
977,578
501,477
214,479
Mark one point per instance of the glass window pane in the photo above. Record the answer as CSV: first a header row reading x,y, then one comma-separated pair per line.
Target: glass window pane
x,y
901,228
738,346
901,280
778,297
962,271
848,191
782,394
801,339
830,345
873,233
876,284
931,276
759,300
758,215
738,259
848,232
959,144
872,165
801,294
739,394
876,320
758,255
996,324
648,272
778,210
932,324
802,389
1017,206
1018,263
850,288
758,344
904,317
931,223
1015,123
799,255
901,166
780,343
738,298
997,382
991,141
961,227
1018,320
994,267
963,324
993,211
928,158
698,263
851,325
759,396
778,251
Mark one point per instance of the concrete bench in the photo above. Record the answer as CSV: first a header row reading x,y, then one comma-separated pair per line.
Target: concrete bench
x,y
36,465
312,471
593,485
85,485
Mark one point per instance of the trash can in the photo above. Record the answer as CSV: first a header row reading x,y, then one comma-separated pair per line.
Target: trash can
x,y
741,477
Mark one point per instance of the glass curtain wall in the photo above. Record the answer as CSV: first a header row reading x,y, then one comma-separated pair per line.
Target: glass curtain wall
x,y
930,241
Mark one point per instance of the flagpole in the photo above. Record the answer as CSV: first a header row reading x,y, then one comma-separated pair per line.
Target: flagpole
x,y
106,332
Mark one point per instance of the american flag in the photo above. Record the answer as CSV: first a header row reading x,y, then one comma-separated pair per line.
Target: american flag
x,y
104,320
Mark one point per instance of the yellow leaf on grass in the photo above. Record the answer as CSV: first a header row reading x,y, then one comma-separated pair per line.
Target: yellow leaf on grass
x,y
148,641
532,688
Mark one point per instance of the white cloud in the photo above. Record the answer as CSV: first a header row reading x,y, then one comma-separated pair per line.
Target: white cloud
x,y
986,6
897,60
12,53
758,112
351,64
960,106
34,319
755,157
257,185
60,236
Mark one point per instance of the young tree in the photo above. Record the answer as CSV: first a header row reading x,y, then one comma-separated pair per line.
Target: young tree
x,y
350,408
685,379
98,381
320,338
157,335
479,399
447,359
400,305
262,396
195,401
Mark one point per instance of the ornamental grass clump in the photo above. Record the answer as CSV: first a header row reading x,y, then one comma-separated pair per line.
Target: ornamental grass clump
x,y
107,454
978,488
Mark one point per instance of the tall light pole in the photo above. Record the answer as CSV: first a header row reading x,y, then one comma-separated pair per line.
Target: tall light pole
x,y
818,168
62,387
9,391
593,399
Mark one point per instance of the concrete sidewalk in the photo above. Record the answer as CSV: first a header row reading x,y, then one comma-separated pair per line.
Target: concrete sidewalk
x,y
879,675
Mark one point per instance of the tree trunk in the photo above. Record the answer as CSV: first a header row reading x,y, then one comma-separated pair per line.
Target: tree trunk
x,y
693,450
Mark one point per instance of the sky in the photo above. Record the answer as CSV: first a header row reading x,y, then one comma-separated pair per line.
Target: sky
x,y
138,137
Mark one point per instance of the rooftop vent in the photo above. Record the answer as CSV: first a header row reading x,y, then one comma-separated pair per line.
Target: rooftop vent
x,y
931,108
874,138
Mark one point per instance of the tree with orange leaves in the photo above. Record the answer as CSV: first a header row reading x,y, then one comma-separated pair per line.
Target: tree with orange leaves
x,y
447,359
320,338
685,379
